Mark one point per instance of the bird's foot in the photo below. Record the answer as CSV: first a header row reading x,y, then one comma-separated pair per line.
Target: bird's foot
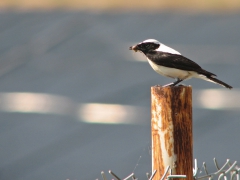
x,y
170,84
181,85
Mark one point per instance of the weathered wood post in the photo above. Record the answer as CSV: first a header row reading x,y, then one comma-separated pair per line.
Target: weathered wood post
x,y
171,109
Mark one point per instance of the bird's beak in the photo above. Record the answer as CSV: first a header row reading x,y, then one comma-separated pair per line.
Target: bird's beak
x,y
134,48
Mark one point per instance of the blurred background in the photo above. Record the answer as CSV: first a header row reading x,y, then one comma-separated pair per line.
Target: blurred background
x,y
74,101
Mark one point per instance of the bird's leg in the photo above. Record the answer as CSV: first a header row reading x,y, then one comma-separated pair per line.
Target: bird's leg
x,y
173,83
176,82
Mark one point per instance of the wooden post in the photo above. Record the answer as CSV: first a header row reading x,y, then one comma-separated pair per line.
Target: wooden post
x,y
172,130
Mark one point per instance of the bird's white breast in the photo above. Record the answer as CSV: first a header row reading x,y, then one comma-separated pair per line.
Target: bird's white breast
x,y
171,72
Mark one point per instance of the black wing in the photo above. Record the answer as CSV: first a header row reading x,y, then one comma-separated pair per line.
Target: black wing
x,y
176,61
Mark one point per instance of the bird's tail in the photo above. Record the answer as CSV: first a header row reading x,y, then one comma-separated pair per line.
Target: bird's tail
x,y
215,80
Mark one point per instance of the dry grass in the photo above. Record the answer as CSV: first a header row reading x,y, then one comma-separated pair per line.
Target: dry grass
x,y
125,5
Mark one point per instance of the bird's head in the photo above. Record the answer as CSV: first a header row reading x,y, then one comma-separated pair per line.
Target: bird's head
x,y
146,46
152,45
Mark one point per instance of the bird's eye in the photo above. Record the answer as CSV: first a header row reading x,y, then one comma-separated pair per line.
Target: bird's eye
x,y
149,46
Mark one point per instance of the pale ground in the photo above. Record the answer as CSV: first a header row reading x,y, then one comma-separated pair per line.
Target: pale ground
x,y
218,6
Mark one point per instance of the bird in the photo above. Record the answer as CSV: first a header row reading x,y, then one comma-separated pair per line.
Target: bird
x,y
170,63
